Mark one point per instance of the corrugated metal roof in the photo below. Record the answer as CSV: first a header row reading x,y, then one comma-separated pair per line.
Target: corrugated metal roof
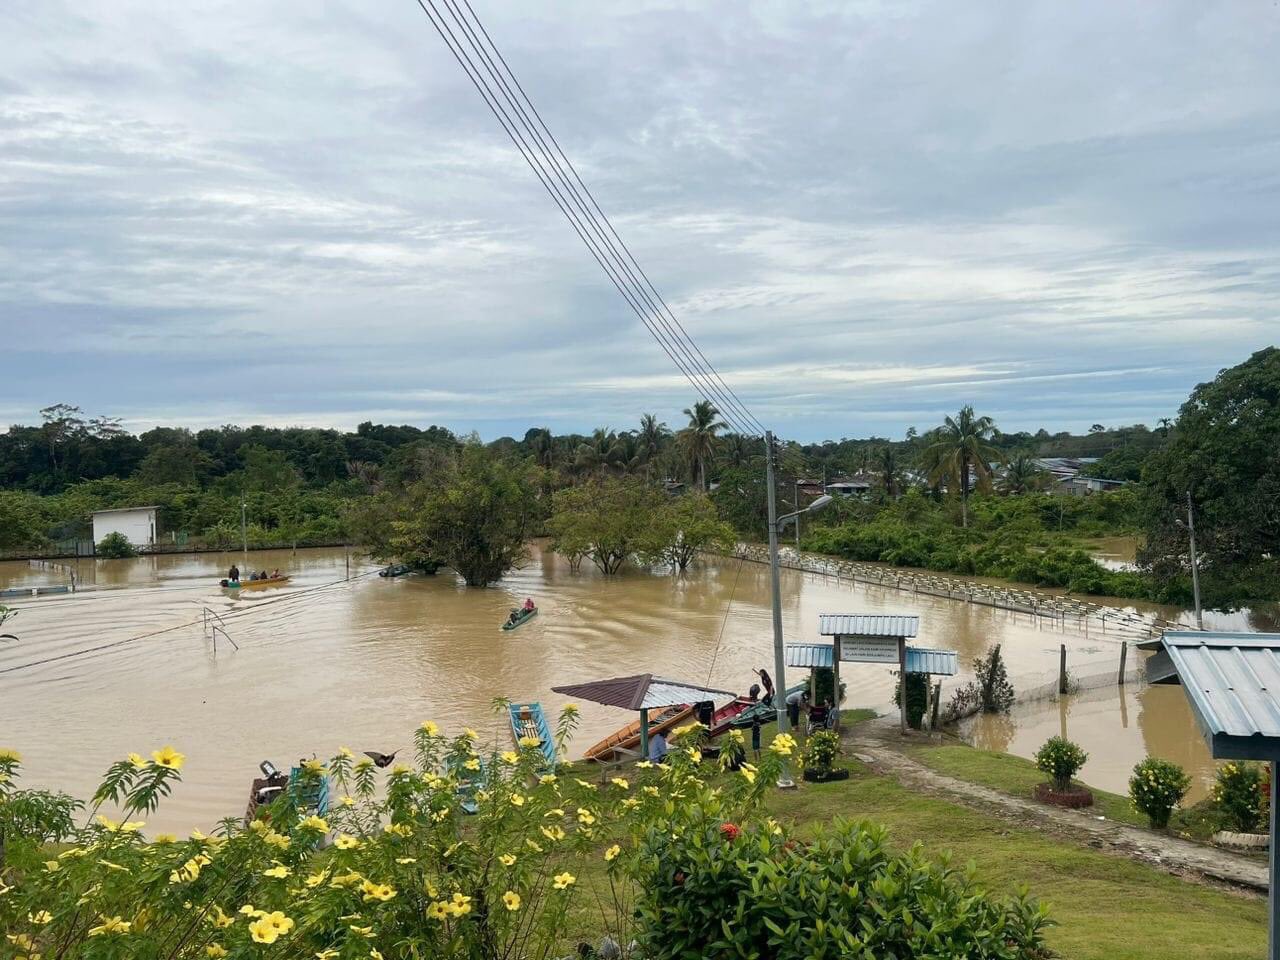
x,y
809,655
867,625
1233,683
942,663
641,692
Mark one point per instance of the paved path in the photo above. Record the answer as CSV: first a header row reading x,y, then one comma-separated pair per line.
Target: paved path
x,y
873,743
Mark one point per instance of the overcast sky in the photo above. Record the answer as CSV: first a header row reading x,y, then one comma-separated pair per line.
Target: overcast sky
x,y
866,214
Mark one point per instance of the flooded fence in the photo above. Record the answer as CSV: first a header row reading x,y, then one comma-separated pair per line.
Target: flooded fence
x,y
1062,612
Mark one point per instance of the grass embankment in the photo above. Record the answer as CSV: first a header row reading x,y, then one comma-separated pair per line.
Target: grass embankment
x,y
1018,777
1106,907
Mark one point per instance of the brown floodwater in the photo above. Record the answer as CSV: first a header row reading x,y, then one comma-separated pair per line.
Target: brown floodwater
x,y
328,662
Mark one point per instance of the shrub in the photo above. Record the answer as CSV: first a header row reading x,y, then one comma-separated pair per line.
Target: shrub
x,y
116,546
991,692
917,697
1238,793
1061,760
821,751
1156,787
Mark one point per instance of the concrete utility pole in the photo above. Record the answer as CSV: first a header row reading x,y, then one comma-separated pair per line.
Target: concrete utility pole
x,y
775,581
1195,566
244,529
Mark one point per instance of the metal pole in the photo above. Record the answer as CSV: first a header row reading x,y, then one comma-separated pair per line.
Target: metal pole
x,y
1273,934
244,530
1195,566
644,733
779,652
902,683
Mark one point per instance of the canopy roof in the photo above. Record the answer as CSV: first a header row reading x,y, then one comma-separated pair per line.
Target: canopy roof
x,y
1232,681
867,625
641,692
919,659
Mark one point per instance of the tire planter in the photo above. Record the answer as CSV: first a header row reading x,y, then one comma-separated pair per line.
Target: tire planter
x,y
814,777
1073,798
1242,841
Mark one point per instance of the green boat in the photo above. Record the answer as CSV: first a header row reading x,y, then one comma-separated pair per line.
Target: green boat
x,y
763,712
522,617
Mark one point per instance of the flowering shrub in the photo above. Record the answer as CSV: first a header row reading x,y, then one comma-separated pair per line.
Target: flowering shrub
x,y
1061,760
1156,787
821,751
1238,794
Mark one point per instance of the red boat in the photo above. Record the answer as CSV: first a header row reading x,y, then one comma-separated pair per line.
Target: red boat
x,y
722,719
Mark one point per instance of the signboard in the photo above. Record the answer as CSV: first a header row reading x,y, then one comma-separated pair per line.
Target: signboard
x,y
869,649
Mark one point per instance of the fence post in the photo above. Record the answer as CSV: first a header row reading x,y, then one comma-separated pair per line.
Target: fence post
x,y
1062,669
1124,652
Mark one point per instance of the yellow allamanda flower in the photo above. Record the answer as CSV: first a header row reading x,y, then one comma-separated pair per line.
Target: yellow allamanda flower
x,y
365,932
569,709
516,800
345,879
530,742
532,845
511,900
215,950
22,941
621,782
507,859
319,824
315,879
220,919
326,954
472,764
40,918
110,925
562,881
346,842
429,728
168,758
651,791
279,871
348,801
52,866
439,910
270,927
644,765
584,784
554,813
586,816
470,734
748,773
398,829
9,755
406,860
553,833
276,840
547,778
138,760
612,852
510,757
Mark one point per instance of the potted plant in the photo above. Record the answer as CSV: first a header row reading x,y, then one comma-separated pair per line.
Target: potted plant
x,y
820,756
1061,760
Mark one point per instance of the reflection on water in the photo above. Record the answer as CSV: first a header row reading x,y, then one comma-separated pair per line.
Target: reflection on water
x,y
1116,726
326,662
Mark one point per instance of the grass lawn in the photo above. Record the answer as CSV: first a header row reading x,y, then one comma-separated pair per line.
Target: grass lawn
x,y
1017,776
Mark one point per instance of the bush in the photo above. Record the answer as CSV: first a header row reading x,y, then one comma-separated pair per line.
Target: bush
x,y
116,546
1238,793
821,751
917,697
1061,760
1156,788
991,692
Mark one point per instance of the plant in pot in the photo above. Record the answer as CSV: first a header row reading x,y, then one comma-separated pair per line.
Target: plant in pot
x,y
1061,760
820,755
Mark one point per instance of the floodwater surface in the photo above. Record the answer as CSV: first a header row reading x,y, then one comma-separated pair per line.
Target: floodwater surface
x,y
328,662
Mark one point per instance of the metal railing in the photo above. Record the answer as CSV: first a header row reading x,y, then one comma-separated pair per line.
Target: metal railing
x,y
213,624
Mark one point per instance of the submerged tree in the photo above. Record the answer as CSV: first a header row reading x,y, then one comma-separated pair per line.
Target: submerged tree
x,y
608,519
962,450
685,527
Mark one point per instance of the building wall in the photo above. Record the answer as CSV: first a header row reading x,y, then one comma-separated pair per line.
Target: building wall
x,y
138,526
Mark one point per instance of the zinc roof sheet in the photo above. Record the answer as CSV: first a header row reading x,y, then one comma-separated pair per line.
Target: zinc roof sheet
x,y
641,692
1231,679
867,625
943,663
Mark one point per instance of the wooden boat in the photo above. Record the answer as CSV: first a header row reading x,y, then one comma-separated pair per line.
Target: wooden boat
x,y
763,712
254,584
628,737
395,570
528,720
310,796
524,617
722,719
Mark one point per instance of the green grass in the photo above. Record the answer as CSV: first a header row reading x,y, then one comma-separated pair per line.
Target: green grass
x,y
1018,776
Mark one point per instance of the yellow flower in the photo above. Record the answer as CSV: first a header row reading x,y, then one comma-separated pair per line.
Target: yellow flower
x,y
651,791
365,932
220,919
345,879
276,840
164,838
553,833
346,842
438,910
270,927
517,800
110,925
507,859
772,824
473,763
586,817
9,754
215,950
564,880
512,900
687,728
584,784
547,778
137,759
348,801
644,765
748,772
374,954
783,744
40,917
279,871
569,709
553,813
530,742
398,829
377,891
319,824
22,941
482,796
364,763
131,826
406,860
612,852
621,782
470,734
168,758
429,728
532,845
326,954
695,755
315,879
510,756
313,766
399,770
345,753
52,866
630,802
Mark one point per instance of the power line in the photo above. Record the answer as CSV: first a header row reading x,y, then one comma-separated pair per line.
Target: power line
x,y
581,212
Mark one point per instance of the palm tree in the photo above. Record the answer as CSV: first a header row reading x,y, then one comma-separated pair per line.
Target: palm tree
x,y
1164,423
598,454
1022,475
543,446
652,438
738,450
698,439
963,449
888,470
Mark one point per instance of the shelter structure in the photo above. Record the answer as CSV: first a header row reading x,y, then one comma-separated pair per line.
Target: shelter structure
x,y
1232,681
871,638
136,524
642,692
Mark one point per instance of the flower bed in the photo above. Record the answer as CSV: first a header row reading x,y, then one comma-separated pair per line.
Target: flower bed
x,y
1074,797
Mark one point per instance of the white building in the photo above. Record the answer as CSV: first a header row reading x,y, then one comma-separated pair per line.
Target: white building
x,y
138,524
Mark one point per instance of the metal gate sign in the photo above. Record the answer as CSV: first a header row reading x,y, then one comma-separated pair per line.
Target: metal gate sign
x,y
869,649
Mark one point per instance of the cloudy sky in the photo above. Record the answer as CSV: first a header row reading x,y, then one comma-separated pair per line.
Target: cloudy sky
x,y
867,214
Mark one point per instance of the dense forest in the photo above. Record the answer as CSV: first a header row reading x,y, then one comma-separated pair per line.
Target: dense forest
x,y
961,495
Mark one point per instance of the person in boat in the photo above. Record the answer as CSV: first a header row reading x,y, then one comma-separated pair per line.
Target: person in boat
x,y
233,575
528,605
658,748
514,618
754,692
767,682
275,574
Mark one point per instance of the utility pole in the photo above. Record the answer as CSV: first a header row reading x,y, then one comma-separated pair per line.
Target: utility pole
x,y
797,518
244,529
779,652
1195,566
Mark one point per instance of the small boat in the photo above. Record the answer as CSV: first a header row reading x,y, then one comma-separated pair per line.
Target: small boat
x,y
722,719
762,712
310,797
395,570
528,720
467,786
253,584
628,737
522,617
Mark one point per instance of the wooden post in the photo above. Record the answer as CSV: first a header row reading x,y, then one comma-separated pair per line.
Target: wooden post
x,y
1062,670
902,682
937,699
835,679
928,703
1124,652
644,733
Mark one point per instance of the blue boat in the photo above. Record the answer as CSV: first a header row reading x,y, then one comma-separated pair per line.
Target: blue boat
x,y
528,720
467,785
311,795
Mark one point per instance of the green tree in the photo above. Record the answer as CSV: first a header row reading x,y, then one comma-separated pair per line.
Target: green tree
x,y
698,439
116,546
653,437
267,470
1023,475
23,520
1225,452
607,519
474,513
684,527
962,449
888,471
184,464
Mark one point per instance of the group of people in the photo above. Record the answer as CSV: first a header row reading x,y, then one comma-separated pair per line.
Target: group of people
x,y
233,575
528,607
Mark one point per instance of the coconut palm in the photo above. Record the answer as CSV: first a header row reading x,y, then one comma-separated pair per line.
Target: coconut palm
x,y
698,439
543,446
1022,475
597,455
737,450
651,439
888,470
963,450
